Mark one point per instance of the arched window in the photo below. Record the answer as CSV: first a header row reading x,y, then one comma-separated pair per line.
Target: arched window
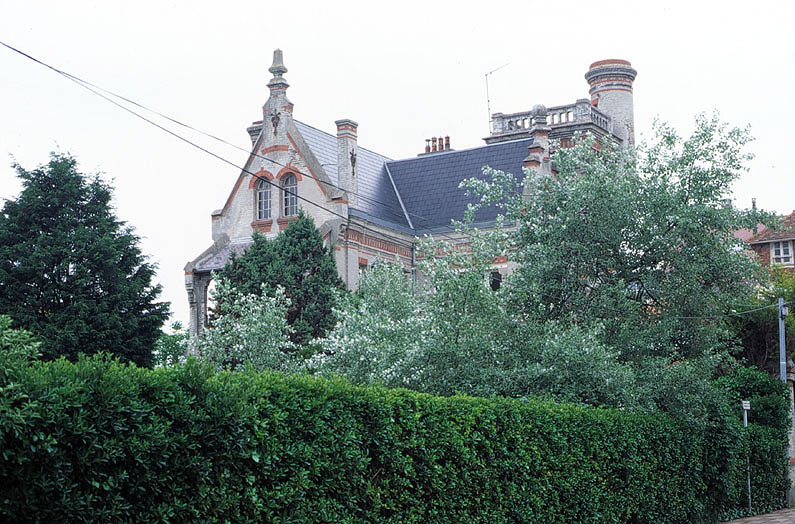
x,y
263,200
290,185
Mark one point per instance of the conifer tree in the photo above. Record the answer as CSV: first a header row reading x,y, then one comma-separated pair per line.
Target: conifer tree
x,y
71,272
297,261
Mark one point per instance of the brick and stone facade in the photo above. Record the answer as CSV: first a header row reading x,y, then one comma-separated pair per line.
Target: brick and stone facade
x,y
368,206
776,246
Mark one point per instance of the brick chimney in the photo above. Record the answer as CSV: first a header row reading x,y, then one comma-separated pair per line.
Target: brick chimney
x,y
436,145
347,152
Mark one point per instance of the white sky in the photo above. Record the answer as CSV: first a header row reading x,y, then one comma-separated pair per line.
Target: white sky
x,y
404,70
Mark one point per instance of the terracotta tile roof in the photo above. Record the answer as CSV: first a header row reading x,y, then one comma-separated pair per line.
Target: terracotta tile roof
x,y
785,232
746,234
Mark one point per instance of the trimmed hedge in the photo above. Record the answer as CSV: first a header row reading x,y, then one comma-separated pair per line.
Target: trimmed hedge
x,y
99,441
765,442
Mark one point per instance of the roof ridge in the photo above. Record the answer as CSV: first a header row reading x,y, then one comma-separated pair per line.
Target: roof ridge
x,y
437,154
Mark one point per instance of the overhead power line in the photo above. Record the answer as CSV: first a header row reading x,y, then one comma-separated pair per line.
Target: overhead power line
x,y
96,91
92,87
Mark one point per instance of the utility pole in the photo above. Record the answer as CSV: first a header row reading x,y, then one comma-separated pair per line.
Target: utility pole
x,y
782,357
782,353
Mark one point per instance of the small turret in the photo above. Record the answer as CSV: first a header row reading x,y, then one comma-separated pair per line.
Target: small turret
x,y
611,92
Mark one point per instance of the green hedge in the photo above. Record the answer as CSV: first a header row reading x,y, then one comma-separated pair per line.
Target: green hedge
x,y
764,442
99,441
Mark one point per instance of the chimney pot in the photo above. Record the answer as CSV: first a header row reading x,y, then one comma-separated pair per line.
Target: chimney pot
x,y
447,143
427,145
433,144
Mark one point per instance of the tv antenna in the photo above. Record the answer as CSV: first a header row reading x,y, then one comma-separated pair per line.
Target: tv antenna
x,y
488,100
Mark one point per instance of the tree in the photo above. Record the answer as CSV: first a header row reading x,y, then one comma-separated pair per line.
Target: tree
x,y
380,332
758,330
627,269
640,242
71,272
249,329
297,261
171,348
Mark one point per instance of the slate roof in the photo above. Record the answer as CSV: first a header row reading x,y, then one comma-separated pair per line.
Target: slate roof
x,y
214,260
376,197
428,184
786,231
323,145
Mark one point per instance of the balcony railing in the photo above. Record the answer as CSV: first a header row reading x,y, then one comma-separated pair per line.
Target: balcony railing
x,y
581,112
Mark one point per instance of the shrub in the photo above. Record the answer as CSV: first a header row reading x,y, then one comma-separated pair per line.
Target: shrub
x,y
763,445
102,441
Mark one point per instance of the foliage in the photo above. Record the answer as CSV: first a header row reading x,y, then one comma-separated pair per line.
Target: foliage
x,y
17,347
249,329
457,334
626,266
764,443
769,397
71,272
171,348
758,331
297,261
637,241
379,334
187,444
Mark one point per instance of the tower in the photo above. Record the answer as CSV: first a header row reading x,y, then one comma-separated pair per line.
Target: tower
x,y
611,92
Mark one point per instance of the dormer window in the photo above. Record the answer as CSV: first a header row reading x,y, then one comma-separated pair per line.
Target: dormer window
x,y
290,187
781,253
263,200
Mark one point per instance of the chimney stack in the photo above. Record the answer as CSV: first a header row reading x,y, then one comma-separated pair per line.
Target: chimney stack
x,y
347,152
436,145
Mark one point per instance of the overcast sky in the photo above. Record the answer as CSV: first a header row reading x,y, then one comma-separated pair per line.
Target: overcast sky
x,y
404,70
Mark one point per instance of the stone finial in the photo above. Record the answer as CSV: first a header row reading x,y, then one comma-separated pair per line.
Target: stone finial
x,y
277,69
539,117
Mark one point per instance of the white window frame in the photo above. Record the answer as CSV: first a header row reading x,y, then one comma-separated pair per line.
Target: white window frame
x,y
290,200
781,253
263,200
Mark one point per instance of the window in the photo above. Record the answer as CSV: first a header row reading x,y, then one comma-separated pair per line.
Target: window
x,y
781,253
263,200
290,186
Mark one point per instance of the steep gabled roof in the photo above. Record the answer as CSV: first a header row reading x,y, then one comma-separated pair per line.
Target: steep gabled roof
x,y
785,231
428,184
376,196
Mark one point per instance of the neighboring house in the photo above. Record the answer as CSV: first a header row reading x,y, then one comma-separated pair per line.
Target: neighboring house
x,y
367,205
775,246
